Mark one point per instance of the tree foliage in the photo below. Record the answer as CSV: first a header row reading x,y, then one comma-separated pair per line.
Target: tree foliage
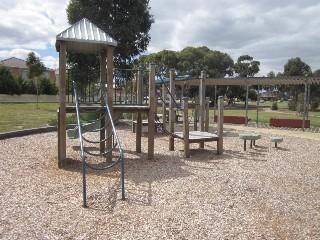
x,y
246,66
35,66
296,67
191,61
128,22
8,84
46,86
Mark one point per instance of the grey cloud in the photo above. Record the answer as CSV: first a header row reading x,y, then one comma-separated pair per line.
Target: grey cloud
x,y
270,31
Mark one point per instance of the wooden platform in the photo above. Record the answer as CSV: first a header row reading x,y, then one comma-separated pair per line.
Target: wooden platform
x,y
144,123
199,137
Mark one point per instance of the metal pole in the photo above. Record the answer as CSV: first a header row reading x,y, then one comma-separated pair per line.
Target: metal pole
x,y
304,105
215,101
308,101
258,103
247,95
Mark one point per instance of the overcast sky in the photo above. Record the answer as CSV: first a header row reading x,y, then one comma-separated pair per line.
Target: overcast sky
x,y
271,31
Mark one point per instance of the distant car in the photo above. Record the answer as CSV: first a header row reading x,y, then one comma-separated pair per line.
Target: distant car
x,y
261,101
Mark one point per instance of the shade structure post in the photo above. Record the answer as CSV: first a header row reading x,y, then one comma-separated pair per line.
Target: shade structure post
x,y
247,103
258,104
304,105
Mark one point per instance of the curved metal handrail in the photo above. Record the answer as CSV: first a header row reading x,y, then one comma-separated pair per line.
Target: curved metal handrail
x,y
113,136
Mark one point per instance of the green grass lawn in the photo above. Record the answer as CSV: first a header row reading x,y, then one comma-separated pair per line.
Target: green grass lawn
x,y
18,116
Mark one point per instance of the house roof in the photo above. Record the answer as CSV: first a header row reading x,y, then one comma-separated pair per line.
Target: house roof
x,y
17,63
84,37
14,62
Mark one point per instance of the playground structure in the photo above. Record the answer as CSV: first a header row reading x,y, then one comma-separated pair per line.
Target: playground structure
x,y
120,96
202,114
254,81
116,95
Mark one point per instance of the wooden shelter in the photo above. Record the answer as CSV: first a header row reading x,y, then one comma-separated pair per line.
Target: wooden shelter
x,y
203,81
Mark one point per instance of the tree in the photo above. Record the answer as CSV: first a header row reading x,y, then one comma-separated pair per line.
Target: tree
x,y
246,66
128,22
191,61
8,84
295,67
36,69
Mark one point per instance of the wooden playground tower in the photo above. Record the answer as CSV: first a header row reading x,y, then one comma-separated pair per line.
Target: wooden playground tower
x,y
85,37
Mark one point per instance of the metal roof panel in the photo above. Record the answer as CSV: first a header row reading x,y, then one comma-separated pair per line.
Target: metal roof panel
x,y
85,37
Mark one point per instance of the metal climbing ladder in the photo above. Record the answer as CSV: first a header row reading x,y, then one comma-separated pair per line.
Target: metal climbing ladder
x,y
109,151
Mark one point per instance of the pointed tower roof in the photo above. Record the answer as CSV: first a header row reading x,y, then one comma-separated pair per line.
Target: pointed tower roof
x,y
85,37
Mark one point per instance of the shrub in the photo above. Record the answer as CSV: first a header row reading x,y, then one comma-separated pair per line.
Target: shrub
x,y
8,84
292,105
46,86
274,106
300,108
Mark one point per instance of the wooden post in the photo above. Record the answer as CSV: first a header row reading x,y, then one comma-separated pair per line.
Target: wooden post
x,y
139,116
103,80
109,98
220,125
62,109
164,110
202,95
151,127
171,109
185,128
196,114
206,122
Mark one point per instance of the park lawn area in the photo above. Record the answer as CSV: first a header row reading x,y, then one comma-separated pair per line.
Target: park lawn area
x,y
18,116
